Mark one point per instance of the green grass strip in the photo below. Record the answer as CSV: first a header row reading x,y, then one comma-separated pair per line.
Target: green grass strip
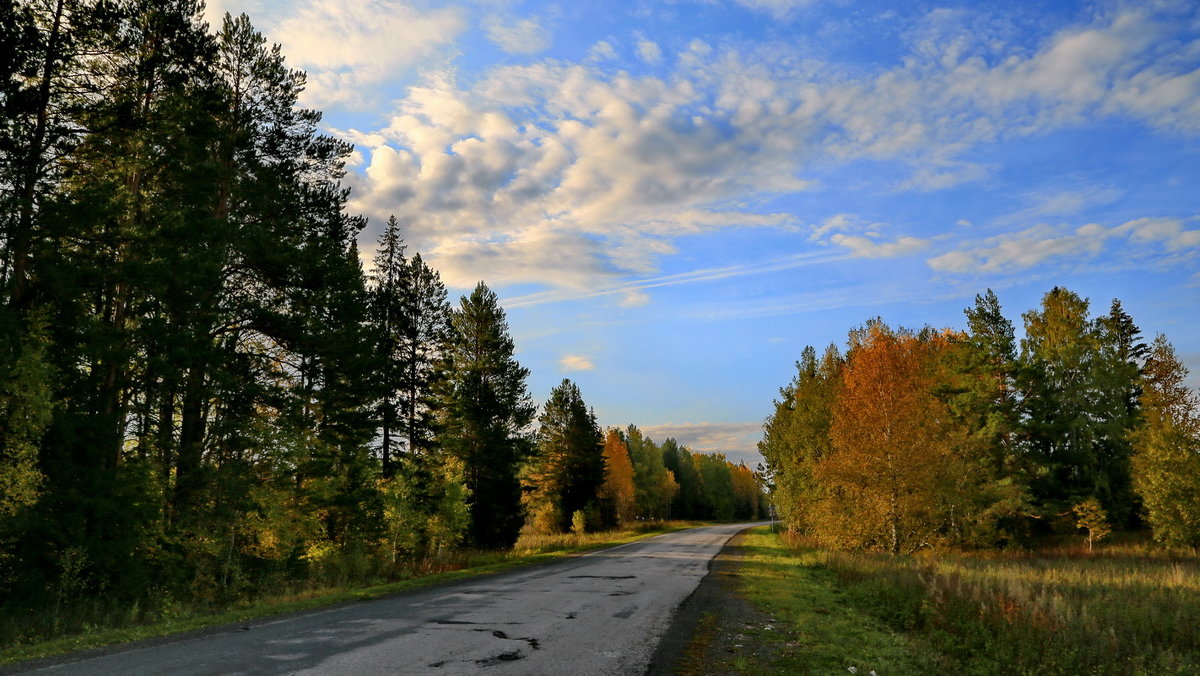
x,y
815,629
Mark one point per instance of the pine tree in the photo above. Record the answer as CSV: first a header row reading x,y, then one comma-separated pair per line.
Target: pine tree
x,y
485,410
390,321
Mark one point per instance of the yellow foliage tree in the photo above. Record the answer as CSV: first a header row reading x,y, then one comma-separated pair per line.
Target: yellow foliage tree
x,y
1166,460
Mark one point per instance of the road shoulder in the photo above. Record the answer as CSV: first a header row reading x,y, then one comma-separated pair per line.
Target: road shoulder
x,y
714,631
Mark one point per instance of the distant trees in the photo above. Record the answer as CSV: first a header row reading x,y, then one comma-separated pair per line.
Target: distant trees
x,y
927,438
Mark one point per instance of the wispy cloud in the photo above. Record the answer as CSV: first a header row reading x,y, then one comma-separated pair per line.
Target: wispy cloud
x,y
1018,251
633,292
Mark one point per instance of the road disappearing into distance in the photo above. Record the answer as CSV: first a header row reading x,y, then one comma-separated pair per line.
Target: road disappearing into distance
x,y
601,613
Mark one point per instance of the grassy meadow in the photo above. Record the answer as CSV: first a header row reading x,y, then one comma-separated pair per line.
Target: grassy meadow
x,y
1121,609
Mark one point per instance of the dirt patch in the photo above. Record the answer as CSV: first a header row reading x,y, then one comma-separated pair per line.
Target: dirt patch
x,y
715,630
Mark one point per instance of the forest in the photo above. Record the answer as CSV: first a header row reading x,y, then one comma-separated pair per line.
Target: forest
x,y
204,396
920,439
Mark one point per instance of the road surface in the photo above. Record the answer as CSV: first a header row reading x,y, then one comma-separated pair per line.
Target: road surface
x,y
601,613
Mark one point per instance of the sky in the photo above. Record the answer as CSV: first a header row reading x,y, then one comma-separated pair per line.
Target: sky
x,y
673,197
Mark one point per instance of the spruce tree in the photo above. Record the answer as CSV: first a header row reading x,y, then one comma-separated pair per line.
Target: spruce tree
x,y
485,411
567,467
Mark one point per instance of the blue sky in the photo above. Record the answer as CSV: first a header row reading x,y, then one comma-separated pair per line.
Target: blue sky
x,y
673,198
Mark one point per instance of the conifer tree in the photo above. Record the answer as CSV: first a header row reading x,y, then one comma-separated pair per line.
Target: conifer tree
x,y
485,410
567,467
390,322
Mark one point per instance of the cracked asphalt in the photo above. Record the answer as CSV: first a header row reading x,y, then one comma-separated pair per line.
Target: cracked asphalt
x,y
601,613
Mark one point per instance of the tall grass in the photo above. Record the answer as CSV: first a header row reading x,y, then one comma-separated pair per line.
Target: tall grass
x,y
1123,609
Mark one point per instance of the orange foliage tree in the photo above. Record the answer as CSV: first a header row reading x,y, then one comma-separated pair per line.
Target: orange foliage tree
x,y
617,494
893,480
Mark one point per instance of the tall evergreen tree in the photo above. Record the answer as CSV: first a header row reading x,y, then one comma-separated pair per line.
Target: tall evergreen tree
x,y
567,467
1077,381
485,411
423,345
390,321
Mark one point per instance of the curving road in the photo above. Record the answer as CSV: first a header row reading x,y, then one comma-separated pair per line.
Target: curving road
x,y
601,613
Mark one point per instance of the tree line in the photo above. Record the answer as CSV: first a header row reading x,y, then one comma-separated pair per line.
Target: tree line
x,y
202,393
922,438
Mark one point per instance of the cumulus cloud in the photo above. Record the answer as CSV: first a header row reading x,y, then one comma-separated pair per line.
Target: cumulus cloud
x,y
535,165
575,362
1014,252
525,36
348,46
649,51
602,51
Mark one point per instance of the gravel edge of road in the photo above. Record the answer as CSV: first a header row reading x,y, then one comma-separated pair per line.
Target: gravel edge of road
x,y
708,623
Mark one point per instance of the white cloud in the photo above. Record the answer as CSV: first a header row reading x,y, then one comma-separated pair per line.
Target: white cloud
x,y
535,165
602,51
777,8
872,247
597,185
575,362
1014,252
348,46
634,298
526,36
649,51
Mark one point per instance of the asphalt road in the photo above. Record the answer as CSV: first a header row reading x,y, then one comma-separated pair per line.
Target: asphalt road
x,y
601,613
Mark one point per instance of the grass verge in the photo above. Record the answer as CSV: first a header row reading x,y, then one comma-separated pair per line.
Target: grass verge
x,y
1120,610
815,628
529,551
